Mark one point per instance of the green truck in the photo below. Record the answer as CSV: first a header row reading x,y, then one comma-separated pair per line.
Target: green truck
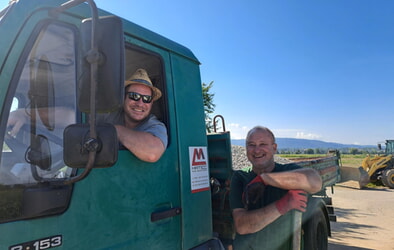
x,y
65,183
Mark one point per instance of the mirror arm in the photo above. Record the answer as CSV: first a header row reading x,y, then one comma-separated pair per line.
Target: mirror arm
x,y
67,5
93,58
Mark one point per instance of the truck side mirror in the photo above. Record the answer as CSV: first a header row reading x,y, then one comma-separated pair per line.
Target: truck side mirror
x,y
78,144
110,44
379,146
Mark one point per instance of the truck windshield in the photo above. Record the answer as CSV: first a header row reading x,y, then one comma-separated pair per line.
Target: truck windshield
x,y
389,147
44,103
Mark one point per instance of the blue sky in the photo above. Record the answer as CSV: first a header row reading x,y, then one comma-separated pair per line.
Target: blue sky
x,y
306,69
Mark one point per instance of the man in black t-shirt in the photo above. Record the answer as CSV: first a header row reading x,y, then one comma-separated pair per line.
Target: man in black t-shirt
x,y
261,199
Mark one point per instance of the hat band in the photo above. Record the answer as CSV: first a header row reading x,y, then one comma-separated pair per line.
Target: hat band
x,y
142,81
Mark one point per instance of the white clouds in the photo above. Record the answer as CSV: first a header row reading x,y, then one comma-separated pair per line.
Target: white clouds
x,y
296,133
310,136
237,131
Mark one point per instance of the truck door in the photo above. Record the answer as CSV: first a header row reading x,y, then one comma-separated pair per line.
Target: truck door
x,y
146,208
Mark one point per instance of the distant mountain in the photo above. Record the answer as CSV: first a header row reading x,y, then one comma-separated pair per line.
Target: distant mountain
x,y
292,143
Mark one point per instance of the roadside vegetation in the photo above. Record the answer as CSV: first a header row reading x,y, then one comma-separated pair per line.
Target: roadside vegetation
x,y
348,160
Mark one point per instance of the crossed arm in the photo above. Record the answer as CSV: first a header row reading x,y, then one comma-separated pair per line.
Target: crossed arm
x,y
247,222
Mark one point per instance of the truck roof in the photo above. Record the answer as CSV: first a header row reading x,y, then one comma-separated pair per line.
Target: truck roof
x,y
130,28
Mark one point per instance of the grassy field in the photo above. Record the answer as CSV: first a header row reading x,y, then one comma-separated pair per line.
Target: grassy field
x,y
348,160
350,164
352,160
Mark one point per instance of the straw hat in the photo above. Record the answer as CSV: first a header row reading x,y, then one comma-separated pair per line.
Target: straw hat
x,y
140,76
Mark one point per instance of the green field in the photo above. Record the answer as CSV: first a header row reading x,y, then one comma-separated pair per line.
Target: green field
x,y
350,163
352,160
348,160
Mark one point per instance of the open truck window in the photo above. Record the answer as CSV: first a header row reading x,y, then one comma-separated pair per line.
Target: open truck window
x,y
43,104
138,58
135,58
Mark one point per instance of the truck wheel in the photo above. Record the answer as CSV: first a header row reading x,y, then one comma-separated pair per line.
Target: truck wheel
x,y
316,231
388,178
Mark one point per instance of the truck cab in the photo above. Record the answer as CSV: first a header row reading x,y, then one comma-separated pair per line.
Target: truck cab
x,y
50,199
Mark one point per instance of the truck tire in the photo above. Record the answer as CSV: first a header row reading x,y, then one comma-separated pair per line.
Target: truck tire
x,y
316,231
388,178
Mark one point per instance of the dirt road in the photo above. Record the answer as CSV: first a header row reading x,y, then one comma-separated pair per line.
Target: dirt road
x,y
365,219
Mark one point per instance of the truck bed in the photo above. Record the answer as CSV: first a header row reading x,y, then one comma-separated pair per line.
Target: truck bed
x,y
328,167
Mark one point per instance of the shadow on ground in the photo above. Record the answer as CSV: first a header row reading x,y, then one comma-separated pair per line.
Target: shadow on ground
x,y
332,246
349,230
355,231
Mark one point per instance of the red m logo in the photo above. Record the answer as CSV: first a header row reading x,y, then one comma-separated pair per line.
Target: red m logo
x,y
198,157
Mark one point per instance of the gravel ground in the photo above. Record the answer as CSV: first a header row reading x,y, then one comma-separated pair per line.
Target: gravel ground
x,y
239,157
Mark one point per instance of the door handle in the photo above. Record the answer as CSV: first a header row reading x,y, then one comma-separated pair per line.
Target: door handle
x,y
155,216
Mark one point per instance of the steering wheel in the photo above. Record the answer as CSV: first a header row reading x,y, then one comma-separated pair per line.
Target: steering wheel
x,y
38,152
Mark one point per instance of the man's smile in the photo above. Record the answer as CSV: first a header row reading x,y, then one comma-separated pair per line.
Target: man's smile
x,y
138,109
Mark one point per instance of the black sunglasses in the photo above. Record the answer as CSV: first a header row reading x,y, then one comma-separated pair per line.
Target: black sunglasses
x,y
136,97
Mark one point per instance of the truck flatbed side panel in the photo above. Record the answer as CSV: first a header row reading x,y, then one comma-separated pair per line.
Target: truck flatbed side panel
x,y
328,167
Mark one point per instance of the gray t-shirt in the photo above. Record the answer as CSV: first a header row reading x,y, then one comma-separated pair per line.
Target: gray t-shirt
x,y
150,125
155,127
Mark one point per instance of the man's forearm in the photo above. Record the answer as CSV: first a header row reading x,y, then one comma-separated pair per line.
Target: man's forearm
x,y
145,146
247,222
305,179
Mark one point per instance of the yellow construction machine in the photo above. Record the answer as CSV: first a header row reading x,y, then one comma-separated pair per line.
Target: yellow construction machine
x,y
379,167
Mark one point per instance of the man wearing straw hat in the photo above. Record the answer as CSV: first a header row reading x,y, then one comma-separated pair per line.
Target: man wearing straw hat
x,y
139,130
262,197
